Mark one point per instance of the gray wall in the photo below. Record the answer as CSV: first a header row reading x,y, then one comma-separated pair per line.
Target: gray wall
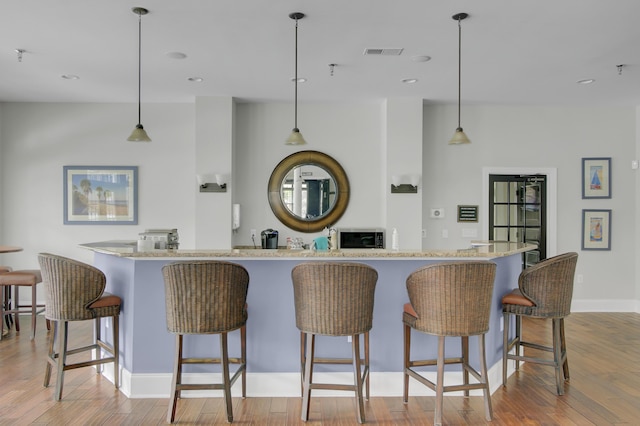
x,y
36,140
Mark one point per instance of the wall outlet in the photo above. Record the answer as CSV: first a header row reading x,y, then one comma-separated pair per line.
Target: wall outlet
x,y
445,233
424,233
253,234
579,279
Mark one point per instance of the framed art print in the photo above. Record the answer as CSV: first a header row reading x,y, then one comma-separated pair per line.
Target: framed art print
x,y
100,195
596,177
596,229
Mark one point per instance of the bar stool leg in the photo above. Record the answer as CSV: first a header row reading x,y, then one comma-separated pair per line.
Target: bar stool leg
x,y
366,363
488,411
5,297
52,338
465,361
437,417
505,347
557,357
243,355
407,356
176,380
308,373
116,350
62,358
224,356
96,338
565,364
34,314
355,344
15,301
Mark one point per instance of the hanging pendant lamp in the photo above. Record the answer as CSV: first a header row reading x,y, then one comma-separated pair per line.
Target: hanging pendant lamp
x,y
296,138
459,137
139,134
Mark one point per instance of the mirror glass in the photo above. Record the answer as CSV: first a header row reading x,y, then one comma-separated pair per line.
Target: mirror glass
x,y
308,191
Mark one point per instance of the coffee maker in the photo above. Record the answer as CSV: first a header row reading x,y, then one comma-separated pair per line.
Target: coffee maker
x,y
269,239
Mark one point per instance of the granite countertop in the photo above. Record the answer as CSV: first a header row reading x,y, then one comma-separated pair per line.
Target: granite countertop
x,y
478,249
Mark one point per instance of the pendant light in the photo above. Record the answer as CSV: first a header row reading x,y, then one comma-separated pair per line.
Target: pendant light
x,y
139,134
459,137
296,138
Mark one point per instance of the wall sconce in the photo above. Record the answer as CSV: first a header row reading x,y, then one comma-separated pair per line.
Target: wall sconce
x,y
207,186
405,184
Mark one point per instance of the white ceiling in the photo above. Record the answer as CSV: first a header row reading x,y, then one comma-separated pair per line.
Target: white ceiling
x,y
513,52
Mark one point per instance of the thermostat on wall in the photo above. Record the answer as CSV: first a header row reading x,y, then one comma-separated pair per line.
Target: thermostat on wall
x,y
437,213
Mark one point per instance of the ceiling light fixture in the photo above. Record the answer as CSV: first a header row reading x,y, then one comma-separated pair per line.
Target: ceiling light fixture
x,y
459,137
139,134
296,137
19,52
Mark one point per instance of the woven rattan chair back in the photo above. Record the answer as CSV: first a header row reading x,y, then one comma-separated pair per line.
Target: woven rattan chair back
x,y
74,291
549,285
452,298
205,296
334,299
70,288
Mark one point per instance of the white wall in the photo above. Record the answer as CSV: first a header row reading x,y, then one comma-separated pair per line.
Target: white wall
x,y
547,138
36,140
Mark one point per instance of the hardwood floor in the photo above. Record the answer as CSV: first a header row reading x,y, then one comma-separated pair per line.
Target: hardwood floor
x,y
604,359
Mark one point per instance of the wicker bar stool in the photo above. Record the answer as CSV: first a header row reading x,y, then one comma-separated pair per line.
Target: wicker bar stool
x,y
5,296
13,280
75,292
334,299
544,291
449,299
206,297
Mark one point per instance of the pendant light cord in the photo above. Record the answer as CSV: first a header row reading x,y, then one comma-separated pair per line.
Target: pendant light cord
x,y
139,64
459,67
296,81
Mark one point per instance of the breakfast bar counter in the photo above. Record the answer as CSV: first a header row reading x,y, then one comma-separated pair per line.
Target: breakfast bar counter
x,y
273,357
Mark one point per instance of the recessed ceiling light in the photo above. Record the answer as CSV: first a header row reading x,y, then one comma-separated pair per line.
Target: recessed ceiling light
x,y
586,81
421,58
300,79
70,77
176,55
409,80
196,79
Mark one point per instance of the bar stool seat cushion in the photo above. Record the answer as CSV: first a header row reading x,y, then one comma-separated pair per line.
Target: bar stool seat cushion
x,y
516,297
21,277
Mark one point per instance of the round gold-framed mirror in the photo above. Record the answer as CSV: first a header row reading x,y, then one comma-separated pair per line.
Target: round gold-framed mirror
x,y
308,191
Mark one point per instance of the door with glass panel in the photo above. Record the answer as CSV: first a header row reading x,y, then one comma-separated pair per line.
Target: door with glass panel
x,y
517,212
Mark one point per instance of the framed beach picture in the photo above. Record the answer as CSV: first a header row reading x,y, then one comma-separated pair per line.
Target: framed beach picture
x,y
596,177
100,195
596,229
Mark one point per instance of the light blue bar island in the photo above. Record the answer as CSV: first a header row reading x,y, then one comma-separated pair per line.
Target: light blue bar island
x,y
273,354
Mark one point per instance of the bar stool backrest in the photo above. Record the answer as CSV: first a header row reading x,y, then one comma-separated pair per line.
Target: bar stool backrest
x,y
549,285
70,287
334,298
205,296
452,298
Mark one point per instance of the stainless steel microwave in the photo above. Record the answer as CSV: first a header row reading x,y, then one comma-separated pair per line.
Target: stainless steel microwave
x,y
360,238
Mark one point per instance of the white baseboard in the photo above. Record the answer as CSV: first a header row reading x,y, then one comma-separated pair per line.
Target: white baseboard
x,y
288,384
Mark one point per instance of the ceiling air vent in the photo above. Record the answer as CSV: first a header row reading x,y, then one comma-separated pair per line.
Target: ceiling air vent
x,y
384,52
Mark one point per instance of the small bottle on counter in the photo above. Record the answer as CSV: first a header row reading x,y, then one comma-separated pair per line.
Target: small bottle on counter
x,y
394,240
333,239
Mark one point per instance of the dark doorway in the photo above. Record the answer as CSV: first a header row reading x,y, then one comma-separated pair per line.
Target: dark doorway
x,y
517,212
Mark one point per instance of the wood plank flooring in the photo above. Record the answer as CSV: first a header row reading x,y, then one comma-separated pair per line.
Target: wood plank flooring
x,y
604,359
